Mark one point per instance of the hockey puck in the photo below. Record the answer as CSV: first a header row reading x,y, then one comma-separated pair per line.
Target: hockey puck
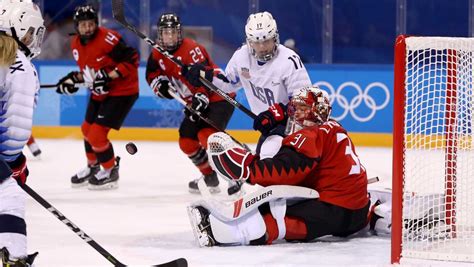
x,y
131,148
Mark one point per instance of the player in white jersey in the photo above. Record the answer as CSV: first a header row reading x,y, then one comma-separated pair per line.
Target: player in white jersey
x,y
268,72
21,34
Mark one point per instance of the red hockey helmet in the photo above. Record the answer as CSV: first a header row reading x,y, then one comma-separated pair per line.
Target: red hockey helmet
x,y
309,106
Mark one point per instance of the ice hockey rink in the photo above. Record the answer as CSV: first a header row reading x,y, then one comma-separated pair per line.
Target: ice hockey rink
x,y
145,222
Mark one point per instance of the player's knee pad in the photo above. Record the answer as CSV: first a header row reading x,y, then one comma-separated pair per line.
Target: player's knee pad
x,y
13,198
189,146
97,137
12,213
85,126
204,134
270,146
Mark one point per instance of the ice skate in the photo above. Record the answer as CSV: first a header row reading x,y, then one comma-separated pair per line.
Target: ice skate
x,y
7,261
106,179
212,183
82,177
199,219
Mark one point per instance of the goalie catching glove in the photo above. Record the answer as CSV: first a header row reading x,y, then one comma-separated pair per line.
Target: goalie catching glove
x,y
67,84
227,158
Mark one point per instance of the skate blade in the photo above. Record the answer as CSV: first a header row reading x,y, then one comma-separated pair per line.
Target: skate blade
x,y
213,190
79,185
107,186
194,191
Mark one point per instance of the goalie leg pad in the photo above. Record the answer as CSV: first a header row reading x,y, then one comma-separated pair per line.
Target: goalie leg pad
x,y
278,210
239,232
210,231
380,212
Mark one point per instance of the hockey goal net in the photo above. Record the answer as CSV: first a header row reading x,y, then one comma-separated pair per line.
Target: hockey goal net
x,y
433,149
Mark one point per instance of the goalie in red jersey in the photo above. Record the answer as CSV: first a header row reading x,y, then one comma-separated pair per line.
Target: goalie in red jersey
x,y
316,154
162,74
109,68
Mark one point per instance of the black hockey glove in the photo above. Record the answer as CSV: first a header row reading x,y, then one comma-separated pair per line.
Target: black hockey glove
x,y
192,73
200,103
269,119
160,87
67,84
99,87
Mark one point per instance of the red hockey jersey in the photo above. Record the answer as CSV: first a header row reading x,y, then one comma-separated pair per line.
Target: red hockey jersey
x,y
189,52
108,51
319,157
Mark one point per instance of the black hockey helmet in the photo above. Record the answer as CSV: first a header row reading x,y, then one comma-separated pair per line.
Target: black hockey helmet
x,y
169,21
85,12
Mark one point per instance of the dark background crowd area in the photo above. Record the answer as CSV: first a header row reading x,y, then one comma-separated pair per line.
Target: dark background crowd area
x,y
322,31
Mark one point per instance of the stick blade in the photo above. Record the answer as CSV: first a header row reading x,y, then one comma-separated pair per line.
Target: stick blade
x,y
118,11
181,262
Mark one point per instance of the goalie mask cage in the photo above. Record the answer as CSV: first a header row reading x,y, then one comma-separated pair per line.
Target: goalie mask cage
x,y
433,149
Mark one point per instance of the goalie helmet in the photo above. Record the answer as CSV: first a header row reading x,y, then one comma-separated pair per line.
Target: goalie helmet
x,y
262,36
82,13
309,106
170,35
23,21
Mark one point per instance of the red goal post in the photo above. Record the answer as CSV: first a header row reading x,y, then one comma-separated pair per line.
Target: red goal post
x,y
433,149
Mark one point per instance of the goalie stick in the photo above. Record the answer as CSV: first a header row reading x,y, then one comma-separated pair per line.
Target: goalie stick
x,y
119,15
228,211
181,262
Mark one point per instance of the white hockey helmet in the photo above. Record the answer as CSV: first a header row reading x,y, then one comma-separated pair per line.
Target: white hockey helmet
x,y
23,21
308,106
262,28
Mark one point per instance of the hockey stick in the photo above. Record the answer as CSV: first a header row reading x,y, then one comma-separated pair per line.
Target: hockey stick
x,y
228,211
48,85
119,15
173,92
52,86
181,262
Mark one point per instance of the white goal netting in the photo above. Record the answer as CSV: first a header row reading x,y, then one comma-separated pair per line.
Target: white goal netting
x,y
438,171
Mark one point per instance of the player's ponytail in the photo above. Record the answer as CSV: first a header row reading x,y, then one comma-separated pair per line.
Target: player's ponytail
x,y
8,48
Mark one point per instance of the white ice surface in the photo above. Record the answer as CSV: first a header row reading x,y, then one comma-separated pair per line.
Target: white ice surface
x,y
145,222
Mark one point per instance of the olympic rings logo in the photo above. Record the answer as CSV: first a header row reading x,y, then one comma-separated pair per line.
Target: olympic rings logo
x,y
355,102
